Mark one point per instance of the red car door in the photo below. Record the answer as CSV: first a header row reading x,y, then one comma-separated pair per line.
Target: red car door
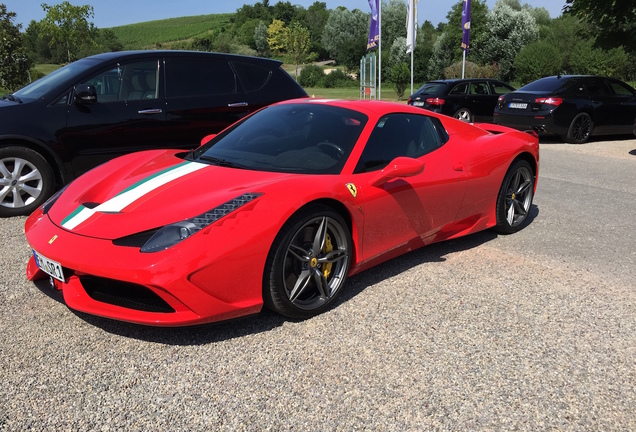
x,y
408,211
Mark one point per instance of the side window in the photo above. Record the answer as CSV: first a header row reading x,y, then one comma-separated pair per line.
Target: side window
x,y
479,88
597,87
252,77
501,88
459,89
131,81
396,135
621,89
187,77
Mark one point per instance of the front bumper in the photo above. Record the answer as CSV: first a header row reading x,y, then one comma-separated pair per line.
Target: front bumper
x,y
183,285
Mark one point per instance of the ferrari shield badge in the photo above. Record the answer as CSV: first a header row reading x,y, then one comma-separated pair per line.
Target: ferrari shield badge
x,y
352,189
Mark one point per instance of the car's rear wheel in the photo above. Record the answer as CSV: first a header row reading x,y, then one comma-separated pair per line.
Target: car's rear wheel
x,y
580,129
515,197
26,181
308,263
464,114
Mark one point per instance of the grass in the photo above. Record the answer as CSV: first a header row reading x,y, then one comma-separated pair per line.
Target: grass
x,y
161,33
388,93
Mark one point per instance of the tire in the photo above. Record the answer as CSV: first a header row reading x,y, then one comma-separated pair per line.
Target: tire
x,y
580,129
464,115
515,197
26,181
308,263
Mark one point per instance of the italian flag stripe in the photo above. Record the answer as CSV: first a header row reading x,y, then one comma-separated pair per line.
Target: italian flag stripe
x,y
132,193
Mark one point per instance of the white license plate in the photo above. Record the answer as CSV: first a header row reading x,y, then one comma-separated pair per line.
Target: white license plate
x,y
48,266
516,105
419,104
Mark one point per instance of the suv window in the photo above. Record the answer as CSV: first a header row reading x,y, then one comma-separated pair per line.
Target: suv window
x,y
396,135
132,81
500,88
252,77
479,88
621,89
198,77
460,89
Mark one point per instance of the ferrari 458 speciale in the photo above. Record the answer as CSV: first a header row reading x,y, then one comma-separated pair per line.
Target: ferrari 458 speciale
x,y
276,210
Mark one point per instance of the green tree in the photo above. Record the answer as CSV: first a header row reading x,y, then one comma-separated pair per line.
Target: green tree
x,y
345,36
400,77
537,60
260,39
613,21
276,36
447,47
297,43
315,18
393,21
14,64
508,31
587,59
68,25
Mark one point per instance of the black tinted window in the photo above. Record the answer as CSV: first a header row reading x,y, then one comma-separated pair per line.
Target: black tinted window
x,y
432,88
253,77
621,88
396,135
130,81
460,89
553,84
198,77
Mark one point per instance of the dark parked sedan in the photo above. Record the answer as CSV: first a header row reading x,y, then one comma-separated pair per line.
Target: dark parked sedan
x,y
574,107
469,100
99,107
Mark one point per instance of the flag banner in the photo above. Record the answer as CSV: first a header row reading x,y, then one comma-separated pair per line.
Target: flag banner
x,y
466,25
411,25
374,27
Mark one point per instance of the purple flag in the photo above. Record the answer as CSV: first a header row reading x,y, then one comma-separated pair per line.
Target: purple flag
x,y
466,25
374,27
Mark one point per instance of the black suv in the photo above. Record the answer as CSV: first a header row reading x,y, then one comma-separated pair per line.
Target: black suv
x,y
575,107
99,107
470,99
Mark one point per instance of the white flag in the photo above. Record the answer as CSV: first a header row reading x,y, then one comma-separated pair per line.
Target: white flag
x,y
411,25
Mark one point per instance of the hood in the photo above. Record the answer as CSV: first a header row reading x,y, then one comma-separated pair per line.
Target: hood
x,y
148,190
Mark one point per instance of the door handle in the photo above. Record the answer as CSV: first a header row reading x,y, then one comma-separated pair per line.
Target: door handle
x,y
458,167
150,111
237,104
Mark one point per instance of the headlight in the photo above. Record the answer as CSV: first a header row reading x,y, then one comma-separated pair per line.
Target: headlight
x,y
172,234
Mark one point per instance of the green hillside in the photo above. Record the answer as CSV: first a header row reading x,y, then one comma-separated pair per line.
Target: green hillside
x,y
162,33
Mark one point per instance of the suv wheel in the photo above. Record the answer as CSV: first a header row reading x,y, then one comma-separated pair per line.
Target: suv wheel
x,y
26,181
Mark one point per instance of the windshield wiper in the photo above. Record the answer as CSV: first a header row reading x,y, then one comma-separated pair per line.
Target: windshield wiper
x,y
12,98
221,162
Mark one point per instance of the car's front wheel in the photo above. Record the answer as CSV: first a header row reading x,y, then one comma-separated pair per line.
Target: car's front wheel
x,y
308,263
515,197
580,129
464,114
26,181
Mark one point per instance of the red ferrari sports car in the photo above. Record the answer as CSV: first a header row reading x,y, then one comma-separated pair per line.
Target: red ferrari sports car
x,y
277,210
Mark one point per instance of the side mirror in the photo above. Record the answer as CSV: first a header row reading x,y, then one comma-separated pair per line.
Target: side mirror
x,y
207,138
85,94
401,166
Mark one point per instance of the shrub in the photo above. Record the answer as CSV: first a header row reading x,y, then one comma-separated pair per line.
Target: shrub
x,y
472,70
537,60
337,79
311,76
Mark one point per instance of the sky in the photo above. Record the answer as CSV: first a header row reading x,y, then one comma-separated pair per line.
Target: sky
x,y
112,13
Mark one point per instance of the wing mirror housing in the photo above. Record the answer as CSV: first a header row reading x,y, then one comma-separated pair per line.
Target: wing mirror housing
x,y
206,139
399,167
85,94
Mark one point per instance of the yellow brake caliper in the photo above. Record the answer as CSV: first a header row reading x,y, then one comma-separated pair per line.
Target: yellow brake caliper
x,y
328,247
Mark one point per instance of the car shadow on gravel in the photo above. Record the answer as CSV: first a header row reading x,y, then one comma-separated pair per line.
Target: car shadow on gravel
x,y
267,320
553,139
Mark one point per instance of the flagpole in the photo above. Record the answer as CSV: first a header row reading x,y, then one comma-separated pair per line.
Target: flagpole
x,y
463,63
380,50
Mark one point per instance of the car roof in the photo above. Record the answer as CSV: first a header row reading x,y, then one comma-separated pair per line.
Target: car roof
x,y
178,53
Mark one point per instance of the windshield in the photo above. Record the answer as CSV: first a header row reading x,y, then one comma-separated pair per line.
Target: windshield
x,y
52,81
304,138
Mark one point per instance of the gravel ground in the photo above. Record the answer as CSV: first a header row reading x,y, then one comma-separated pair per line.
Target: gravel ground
x,y
482,333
